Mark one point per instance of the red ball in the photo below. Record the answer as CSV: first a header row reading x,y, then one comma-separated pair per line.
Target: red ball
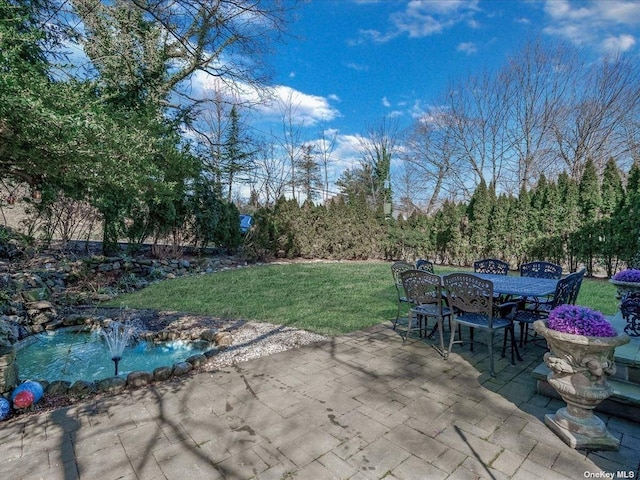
x,y
23,399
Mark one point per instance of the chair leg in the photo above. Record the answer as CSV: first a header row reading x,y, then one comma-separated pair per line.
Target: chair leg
x,y
397,316
504,344
444,353
514,345
491,371
453,327
409,323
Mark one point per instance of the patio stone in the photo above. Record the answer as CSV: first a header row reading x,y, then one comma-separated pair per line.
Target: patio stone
x,y
362,406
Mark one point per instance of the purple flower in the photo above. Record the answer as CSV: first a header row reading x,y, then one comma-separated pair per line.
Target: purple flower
x,y
628,275
579,320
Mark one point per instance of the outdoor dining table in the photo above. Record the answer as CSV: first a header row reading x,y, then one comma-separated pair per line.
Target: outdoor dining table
x,y
515,285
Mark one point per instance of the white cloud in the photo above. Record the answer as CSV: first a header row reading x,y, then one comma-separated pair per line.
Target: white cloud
x,y
621,43
334,98
422,18
306,110
386,102
609,26
467,47
347,152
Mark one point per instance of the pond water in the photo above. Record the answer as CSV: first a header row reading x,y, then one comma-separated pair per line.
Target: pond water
x,y
70,355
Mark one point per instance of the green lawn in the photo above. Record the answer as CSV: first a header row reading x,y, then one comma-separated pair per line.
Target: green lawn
x,y
329,298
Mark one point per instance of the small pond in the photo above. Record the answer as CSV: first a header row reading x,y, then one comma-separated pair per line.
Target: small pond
x,y
66,354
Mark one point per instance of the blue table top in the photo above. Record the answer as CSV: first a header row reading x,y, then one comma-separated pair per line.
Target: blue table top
x,y
522,286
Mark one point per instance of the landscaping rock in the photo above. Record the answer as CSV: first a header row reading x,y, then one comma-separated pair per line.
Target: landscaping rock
x,y
82,388
139,379
111,385
197,360
58,387
162,373
210,353
9,332
182,368
8,369
223,339
208,335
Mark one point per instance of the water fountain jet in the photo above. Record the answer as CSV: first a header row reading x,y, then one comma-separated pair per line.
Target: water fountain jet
x,y
117,336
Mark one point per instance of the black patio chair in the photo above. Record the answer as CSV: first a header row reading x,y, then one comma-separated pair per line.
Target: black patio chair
x,y
472,303
540,269
425,291
630,309
396,270
566,292
491,265
424,265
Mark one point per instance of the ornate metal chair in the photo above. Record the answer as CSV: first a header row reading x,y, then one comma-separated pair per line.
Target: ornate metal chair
x,y
471,299
576,287
425,291
424,265
566,291
491,265
540,269
396,270
496,267
630,309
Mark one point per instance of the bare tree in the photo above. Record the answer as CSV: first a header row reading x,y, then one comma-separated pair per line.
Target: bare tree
x,y
429,166
593,123
291,138
478,113
271,177
535,82
209,135
324,147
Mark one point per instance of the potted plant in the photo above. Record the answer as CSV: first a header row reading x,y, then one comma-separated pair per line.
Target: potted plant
x,y
581,343
626,281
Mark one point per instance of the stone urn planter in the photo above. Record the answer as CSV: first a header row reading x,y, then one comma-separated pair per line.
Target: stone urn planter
x,y
626,282
579,367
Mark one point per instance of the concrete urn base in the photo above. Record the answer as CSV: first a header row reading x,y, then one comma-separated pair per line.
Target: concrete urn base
x,y
579,369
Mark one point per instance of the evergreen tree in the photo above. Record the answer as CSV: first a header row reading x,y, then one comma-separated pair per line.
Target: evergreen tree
x,y
236,157
628,218
519,237
588,237
569,212
309,174
498,228
479,214
612,194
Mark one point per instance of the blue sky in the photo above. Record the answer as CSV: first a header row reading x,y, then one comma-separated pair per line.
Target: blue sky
x,y
353,62
347,64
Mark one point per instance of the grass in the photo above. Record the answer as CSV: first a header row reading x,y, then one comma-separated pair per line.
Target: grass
x,y
328,298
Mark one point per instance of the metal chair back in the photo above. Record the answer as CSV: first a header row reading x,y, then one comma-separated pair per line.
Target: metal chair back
x,y
396,270
540,269
630,309
424,265
577,283
491,265
470,294
422,287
